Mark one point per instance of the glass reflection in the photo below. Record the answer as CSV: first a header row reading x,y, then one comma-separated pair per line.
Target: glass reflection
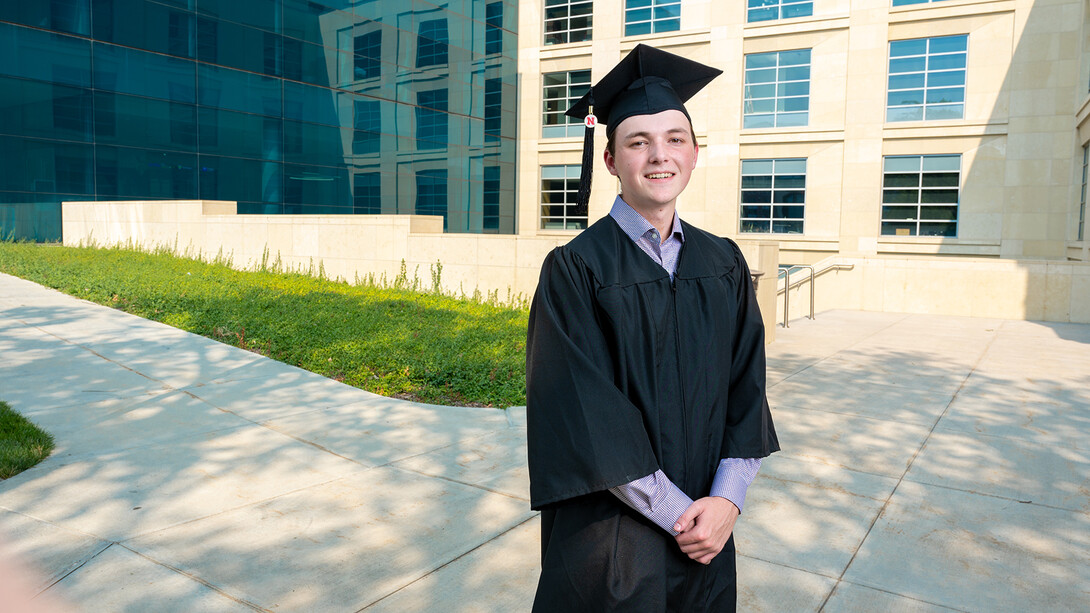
x,y
284,106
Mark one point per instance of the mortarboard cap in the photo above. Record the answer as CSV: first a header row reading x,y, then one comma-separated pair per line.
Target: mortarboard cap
x,y
645,82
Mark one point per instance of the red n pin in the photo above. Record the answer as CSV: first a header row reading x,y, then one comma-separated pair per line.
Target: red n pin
x,y
590,121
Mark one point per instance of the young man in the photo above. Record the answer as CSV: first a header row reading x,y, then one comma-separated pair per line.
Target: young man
x,y
645,374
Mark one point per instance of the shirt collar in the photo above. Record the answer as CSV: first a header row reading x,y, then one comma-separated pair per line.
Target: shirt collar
x,y
634,225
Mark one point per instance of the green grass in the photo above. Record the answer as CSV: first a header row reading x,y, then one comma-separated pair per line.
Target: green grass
x,y
397,342
22,444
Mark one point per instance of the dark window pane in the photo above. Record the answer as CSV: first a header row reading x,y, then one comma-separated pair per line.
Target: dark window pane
x,y
946,213
901,180
750,210
756,196
898,229
786,227
938,229
755,226
751,182
897,196
899,212
940,179
939,196
789,197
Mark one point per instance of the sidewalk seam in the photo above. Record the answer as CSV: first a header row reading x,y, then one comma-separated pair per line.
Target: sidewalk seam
x,y
908,467
449,562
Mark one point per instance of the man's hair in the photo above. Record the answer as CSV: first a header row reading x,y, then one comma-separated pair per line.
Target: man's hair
x,y
611,144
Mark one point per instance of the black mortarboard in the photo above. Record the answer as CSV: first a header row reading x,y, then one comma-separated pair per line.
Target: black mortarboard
x,y
645,82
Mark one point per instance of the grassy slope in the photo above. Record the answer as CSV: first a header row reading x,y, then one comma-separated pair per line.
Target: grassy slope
x,y
22,444
402,343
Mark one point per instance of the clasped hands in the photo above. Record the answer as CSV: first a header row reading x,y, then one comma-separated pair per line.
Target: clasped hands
x,y
705,527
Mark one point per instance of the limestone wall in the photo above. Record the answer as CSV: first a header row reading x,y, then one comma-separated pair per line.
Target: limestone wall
x,y
1042,290
345,245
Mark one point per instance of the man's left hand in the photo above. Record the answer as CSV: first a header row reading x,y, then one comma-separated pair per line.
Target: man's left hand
x,y
704,528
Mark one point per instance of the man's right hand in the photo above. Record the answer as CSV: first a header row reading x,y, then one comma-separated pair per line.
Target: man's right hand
x,y
705,527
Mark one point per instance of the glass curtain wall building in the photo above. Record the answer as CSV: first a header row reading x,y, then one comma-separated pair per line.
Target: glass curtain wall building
x,y
284,106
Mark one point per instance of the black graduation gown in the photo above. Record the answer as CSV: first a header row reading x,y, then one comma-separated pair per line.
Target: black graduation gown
x,y
627,373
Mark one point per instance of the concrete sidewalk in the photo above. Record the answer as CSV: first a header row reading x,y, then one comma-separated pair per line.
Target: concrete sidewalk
x,y
930,463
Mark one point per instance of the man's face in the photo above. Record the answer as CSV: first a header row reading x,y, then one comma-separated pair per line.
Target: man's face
x,y
654,156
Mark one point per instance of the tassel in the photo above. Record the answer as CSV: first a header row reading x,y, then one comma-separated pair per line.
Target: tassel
x,y
588,159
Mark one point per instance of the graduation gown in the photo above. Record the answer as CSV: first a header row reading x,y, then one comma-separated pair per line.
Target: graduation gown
x,y
628,372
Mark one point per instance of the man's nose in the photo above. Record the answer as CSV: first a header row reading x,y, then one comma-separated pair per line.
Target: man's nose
x,y
657,152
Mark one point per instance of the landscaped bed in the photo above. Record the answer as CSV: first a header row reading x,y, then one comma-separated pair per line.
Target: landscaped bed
x,y
385,337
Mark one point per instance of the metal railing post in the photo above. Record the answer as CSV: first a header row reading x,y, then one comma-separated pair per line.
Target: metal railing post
x,y
786,295
813,281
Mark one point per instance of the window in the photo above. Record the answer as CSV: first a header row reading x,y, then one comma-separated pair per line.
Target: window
x,y
431,43
567,21
367,136
559,196
493,28
368,49
431,193
920,195
773,196
904,2
493,109
927,78
367,193
561,90
767,10
1082,198
651,16
431,119
490,213
777,89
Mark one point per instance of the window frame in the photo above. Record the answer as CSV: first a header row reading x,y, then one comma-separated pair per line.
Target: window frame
x,y
571,125
779,117
569,173
432,119
928,73
433,43
567,33
765,6
772,189
365,67
897,3
634,21
920,188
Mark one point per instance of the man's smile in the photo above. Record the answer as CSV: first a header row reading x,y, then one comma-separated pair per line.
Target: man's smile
x,y
660,175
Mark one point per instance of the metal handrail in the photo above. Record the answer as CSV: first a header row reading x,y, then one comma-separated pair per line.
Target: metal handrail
x,y
786,272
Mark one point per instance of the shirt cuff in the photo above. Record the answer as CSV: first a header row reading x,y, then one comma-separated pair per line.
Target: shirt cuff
x,y
656,498
733,478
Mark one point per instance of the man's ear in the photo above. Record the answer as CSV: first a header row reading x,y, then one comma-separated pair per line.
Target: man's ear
x,y
611,164
696,153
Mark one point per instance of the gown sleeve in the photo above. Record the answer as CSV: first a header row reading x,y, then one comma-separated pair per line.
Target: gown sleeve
x,y
583,434
750,433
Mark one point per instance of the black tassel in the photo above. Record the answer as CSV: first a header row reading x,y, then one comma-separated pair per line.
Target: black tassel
x,y
588,160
